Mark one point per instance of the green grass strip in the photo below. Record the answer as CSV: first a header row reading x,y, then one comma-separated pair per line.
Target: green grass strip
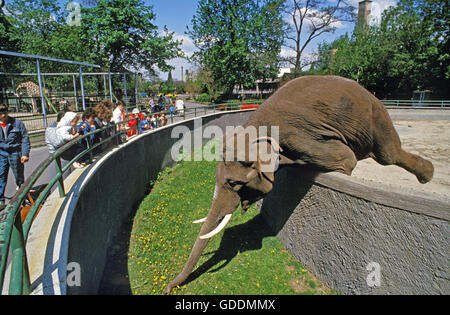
x,y
245,258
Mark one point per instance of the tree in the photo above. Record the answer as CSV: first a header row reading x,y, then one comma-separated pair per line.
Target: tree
x,y
168,86
37,27
36,24
115,34
309,19
8,44
238,41
417,35
123,37
408,51
169,78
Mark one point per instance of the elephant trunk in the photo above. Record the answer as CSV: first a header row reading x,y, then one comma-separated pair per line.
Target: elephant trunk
x,y
209,225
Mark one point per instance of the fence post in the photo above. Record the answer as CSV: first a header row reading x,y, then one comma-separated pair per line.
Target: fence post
x,y
83,101
88,148
125,88
104,86
136,94
110,85
38,67
75,92
59,172
20,278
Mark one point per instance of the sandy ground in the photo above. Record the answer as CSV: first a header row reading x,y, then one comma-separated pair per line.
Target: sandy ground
x,y
427,138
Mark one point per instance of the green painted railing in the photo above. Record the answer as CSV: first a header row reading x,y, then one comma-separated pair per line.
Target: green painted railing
x,y
14,234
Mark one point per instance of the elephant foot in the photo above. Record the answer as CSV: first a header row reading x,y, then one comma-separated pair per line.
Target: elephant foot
x,y
425,172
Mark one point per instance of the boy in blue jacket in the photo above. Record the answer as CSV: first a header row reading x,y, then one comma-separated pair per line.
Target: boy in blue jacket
x,y
86,126
14,149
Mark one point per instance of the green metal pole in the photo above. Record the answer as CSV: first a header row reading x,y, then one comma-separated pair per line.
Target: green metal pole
x,y
59,172
20,278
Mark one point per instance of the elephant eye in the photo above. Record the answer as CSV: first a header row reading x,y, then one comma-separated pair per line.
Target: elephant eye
x,y
235,185
232,183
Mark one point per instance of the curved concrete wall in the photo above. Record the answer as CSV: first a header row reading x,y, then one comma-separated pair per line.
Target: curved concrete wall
x,y
334,227
98,201
360,239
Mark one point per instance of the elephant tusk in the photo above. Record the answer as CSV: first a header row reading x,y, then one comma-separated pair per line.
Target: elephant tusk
x,y
219,228
199,221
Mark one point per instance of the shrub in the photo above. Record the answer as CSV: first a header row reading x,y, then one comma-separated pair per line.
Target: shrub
x,y
204,97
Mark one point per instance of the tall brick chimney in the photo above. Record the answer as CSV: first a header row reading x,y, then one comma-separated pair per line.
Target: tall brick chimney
x,y
364,8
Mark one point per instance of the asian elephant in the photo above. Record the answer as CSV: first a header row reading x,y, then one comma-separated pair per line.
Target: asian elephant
x,y
326,122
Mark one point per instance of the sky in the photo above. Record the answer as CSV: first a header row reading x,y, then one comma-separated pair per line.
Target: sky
x,y
176,15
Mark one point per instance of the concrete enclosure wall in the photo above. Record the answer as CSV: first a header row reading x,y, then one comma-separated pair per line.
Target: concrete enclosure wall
x,y
357,239
360,239
120,181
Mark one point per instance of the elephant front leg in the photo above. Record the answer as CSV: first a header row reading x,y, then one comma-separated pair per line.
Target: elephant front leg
x,y
329,156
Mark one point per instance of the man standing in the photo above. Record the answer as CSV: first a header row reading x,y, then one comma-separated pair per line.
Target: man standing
x,y
14,149
118,117
179,104
118,113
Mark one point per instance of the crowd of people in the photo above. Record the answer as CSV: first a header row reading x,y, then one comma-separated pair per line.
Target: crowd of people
x,y
69,127
165,103
15,144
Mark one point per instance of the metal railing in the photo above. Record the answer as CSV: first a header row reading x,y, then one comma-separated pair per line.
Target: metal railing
x,y
14,233
35,122
417,103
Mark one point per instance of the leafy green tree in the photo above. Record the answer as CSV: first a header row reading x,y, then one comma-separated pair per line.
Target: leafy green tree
x,y
36,27
118,34
415,34
238,41
168,86
8,44
121,35
408,51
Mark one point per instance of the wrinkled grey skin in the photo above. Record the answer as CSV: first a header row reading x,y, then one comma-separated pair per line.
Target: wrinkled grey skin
x,y
326,122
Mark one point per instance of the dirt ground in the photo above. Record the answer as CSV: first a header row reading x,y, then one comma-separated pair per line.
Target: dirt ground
x,y
427,138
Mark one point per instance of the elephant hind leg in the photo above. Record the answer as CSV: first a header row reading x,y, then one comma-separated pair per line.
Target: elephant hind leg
x,y
415,164
391,153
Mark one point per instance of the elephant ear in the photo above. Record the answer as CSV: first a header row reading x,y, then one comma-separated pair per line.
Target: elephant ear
x,y
268,155
257,171
266,164
259,184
